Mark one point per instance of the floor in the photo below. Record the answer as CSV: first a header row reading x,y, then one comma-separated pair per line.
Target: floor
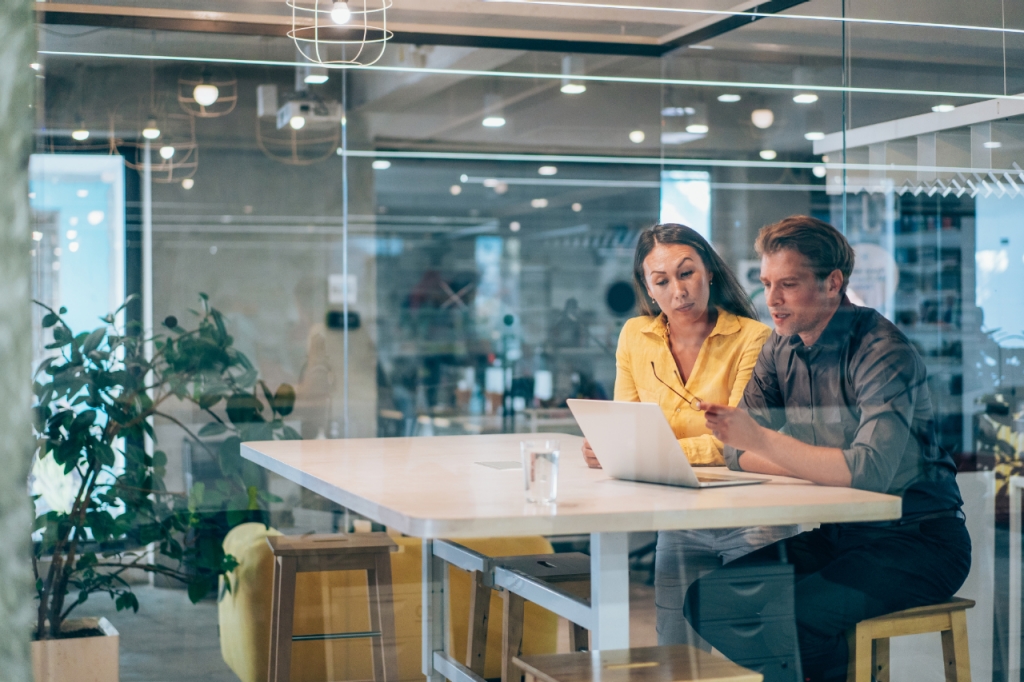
x,y
172,640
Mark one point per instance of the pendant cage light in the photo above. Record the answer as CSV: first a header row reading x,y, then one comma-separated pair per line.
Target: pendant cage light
x,y
207,91
312,143
174,155
339,32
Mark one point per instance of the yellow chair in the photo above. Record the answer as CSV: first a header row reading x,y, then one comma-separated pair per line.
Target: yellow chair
x,y
336,602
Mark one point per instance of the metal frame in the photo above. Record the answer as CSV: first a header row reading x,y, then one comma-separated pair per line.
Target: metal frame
x,y
607,615
1015,484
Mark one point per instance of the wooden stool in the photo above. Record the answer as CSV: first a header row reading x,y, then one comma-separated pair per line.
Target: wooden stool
x,y
368,552
676,663
570,570
869,641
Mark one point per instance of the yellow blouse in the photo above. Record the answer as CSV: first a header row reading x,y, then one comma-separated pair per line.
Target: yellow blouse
x,y
721,372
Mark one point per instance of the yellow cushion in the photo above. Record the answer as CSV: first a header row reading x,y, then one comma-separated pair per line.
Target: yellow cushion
x,y
337,602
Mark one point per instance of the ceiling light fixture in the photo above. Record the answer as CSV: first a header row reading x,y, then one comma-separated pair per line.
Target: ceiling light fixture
x,y
805,98
637,136
82,193
73,246
697,129
37,236
819,171
768,154
456,190
340,12
515,226
547,170
572,65
943,108
539,203
494,122
382,164
205,94
80,134
490,182
571,88
151,132
188,183
678,111
166,152
297,122
814,136
35,66
762,118
315,77
729,98
577,207
992,144
72,235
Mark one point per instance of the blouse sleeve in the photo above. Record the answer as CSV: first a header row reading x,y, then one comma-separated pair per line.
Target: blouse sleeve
x,y
625,388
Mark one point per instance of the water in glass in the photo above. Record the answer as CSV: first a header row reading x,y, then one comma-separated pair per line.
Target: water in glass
x,y
540,470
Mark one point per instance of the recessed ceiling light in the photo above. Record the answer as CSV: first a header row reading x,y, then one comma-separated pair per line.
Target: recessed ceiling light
x,y
547,170
768,154
95,217
574,88
463,178
678,111
37,236
637,136
73,220
384,164
493,122
35,66
166,152
992,144
82,193
316,79
762,118
456,190
729,98
491,182
814,136
806,98
539,203
697,129
515,226
72,235
825,158
943,108
188,183
73,246
501,188
701,47
577,207
819,171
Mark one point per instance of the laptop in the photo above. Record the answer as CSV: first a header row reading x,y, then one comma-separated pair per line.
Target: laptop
x,y
634,442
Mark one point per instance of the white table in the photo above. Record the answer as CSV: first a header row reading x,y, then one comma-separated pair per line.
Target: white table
x,y
461,487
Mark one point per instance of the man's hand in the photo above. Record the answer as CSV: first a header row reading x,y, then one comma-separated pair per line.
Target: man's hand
x,y
588,454
733,426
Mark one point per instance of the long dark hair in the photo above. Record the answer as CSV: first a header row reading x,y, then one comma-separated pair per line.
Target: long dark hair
x,y
726,293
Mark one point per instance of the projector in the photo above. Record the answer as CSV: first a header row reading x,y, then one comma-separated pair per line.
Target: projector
x,y
311,112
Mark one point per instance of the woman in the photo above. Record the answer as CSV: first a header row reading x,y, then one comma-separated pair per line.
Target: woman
x,y
697,340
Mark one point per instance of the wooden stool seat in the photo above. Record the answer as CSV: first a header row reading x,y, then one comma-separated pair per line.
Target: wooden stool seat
x,y
675,663
570,570
368,552
869,641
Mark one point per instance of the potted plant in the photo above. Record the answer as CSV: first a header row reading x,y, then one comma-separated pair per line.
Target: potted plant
x,y
95,401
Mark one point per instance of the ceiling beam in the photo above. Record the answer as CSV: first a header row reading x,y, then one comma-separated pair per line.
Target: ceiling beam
x,y
237,23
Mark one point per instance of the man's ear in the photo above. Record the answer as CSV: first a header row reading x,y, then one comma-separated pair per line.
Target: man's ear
x,y
834,281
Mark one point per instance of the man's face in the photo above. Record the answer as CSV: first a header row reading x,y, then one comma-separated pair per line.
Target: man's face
x,y
798,302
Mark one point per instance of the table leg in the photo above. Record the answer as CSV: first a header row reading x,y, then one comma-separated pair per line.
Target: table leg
x,y
609,590
434,630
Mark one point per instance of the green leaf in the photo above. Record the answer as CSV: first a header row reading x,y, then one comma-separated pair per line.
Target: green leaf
x,y
92,342
243,408
127,600
198,588
84,420
50,319
212,429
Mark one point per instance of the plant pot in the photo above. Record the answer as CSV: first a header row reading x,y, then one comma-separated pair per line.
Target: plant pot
x,y
78,659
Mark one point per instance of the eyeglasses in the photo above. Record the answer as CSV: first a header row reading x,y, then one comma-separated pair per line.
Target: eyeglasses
x,y
694,404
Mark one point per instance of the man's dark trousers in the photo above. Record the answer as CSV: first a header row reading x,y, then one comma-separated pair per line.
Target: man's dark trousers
x,y
849,572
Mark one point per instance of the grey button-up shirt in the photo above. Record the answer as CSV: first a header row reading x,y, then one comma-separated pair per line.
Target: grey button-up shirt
x,y
860,388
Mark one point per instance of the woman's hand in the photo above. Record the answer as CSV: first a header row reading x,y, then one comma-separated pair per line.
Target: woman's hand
x,y
588,454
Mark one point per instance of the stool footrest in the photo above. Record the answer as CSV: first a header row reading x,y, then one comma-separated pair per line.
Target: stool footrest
x,y
334,635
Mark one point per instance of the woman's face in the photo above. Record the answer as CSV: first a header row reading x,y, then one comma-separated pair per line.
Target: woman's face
x,y
678,281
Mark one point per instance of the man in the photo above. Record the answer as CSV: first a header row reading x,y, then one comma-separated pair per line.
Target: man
x,y
838,397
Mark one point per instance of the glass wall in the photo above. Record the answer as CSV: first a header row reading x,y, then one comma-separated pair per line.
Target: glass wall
x,y
443,244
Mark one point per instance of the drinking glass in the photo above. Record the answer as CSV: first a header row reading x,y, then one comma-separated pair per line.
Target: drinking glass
x,y
540,469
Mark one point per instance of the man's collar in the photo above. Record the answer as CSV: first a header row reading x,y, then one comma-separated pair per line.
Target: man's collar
x,y
838,328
